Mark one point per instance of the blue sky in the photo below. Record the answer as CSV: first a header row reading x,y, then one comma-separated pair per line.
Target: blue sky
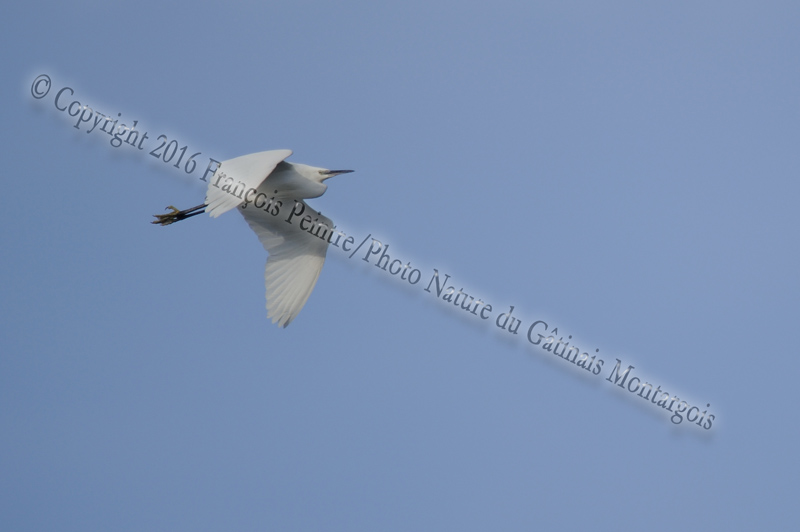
x,y
626,173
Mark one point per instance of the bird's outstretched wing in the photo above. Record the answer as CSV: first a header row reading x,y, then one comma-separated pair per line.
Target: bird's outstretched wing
x,y
235,177
295,259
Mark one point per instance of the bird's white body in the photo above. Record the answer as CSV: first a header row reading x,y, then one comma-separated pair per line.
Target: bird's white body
x,y
266,189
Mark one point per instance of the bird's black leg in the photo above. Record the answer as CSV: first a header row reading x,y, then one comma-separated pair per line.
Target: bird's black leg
x,y
177,216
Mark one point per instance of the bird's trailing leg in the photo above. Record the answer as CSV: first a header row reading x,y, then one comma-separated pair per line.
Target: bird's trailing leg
x,y
177,216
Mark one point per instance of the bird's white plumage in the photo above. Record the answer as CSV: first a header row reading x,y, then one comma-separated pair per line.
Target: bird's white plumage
x,y
294,264
269,193
246,172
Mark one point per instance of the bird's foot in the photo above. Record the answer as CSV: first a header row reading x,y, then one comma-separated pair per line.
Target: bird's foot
x,y
177,215
169,218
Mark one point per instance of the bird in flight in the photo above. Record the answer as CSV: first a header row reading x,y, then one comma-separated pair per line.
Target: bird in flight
x,y
269,192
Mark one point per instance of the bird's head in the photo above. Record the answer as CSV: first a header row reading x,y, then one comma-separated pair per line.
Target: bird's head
x,y
326,174
313,173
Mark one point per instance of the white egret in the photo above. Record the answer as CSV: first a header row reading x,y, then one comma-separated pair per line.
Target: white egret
x,y
265,188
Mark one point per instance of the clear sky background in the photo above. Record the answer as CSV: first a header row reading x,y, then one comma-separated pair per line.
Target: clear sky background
x,y
627,173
